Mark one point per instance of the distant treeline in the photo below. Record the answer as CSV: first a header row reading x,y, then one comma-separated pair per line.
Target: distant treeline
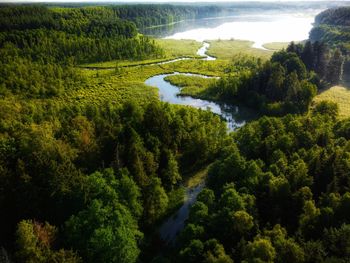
x,y
333,27
337,17
152,15
85,34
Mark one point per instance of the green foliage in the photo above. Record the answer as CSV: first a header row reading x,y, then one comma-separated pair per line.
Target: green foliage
x,y
154,15
85,34
26,78
104,233
327,108
332,27
281,85
52,157
106,169
260,250
210,252
35,241
156,201
279,193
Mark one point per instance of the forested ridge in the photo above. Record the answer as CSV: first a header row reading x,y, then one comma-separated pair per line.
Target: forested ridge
x,y
92,182
333,27
287,83
153,15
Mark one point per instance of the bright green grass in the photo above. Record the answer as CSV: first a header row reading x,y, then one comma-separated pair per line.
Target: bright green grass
x,y
117,86
123,63
340,95
113,92
179,48
228,49
210,68
191,85
275,46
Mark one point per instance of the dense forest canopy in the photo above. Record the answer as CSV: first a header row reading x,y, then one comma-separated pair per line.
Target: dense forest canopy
x,y
333,27
92,182
153,15
286,83
336,16
279,194
101,175
86,34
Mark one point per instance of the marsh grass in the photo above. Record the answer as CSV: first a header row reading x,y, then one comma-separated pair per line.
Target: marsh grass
x,y
340,95
178,48
191,85
275,46
113,82
227,49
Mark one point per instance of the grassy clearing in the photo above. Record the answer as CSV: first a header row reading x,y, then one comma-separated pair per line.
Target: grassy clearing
x,y
107,86
228,49
275,46
340,95
117,86
113,92
191,85
123,63
178,48
210,68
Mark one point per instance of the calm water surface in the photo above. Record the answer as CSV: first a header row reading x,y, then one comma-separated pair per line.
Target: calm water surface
x,y
259,28
234,116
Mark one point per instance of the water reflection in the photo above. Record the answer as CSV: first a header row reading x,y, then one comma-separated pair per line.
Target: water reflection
x,y
265,27
234,116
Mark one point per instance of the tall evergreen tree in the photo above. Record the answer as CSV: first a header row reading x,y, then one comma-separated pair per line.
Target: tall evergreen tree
x,y
307,56
335,68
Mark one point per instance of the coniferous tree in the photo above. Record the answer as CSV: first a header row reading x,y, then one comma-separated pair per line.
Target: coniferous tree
x,y
335,68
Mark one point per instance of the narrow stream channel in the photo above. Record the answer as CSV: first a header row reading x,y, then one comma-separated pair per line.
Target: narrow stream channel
x,y
233,115
169,93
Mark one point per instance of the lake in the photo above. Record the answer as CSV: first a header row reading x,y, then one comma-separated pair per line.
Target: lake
x,y
260,27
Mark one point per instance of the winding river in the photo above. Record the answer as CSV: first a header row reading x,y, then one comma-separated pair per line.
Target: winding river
x,y
234,116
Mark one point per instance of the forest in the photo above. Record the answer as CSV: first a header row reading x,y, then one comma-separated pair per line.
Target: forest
x,y
333,27
280,193
155,15
86,183
92,182
76,35
286,83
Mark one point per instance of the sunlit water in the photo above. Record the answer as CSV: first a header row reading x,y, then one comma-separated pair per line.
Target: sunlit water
x,y
203,52
260,29
234,116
